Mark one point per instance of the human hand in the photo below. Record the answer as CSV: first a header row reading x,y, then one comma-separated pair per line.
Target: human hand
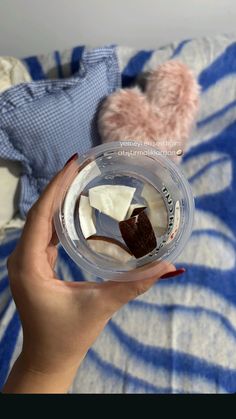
x,y
60,320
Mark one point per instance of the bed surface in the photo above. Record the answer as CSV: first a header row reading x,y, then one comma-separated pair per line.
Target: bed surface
x,y
179,337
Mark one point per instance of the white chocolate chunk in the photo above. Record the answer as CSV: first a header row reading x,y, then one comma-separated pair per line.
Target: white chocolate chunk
x,y
112,200
86,175
109,248
86,217
156,207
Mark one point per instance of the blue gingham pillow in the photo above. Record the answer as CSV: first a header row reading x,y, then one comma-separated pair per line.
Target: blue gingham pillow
x,y
43,123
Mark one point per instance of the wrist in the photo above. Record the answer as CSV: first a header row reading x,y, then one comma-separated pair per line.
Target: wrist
x,y
51,356
48,356
26,377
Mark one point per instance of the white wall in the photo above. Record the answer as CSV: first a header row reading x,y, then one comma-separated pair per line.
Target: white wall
x,y
33,26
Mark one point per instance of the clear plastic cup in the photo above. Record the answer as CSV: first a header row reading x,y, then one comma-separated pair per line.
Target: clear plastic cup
x,y
131,164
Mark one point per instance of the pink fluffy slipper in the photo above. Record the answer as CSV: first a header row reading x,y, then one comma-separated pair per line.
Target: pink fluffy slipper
x,y
163,115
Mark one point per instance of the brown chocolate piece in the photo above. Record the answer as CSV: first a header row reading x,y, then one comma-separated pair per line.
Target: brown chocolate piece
x,y
138,234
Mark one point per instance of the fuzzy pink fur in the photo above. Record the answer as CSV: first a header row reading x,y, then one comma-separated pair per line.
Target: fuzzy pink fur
x,y
163,115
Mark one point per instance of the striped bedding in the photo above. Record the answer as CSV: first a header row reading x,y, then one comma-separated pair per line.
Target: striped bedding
x,y
180,337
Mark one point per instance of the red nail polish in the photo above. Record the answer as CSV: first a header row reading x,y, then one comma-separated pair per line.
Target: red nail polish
x,y
74,157
173,273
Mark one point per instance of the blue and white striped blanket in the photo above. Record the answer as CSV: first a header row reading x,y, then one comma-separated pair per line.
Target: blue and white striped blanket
x,y
180,337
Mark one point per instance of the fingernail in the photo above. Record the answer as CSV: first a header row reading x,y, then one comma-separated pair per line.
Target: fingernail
x,y
173,273
74,157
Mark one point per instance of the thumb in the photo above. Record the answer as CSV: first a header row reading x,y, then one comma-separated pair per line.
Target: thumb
x,y
37,231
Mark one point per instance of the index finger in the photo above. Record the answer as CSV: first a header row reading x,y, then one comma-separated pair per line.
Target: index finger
x,y
38,228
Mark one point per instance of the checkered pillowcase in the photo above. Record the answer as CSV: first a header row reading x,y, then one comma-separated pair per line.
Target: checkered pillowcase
x,y
43,123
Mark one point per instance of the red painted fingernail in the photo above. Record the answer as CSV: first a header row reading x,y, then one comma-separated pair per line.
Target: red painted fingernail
x,y
74,157
173,273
